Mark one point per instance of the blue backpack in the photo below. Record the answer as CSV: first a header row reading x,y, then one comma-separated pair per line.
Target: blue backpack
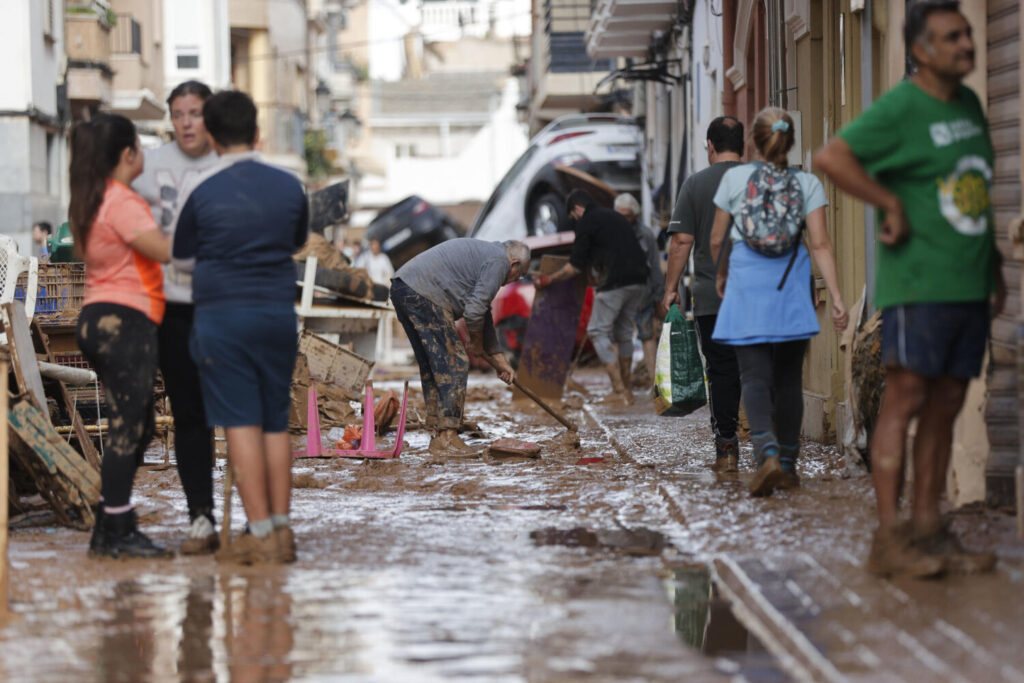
x,y
772,218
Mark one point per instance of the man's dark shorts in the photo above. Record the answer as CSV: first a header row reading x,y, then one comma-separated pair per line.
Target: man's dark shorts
x,y
936,339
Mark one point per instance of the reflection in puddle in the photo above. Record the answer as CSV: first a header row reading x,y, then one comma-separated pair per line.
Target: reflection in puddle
x,y
203,628
625,541
704,621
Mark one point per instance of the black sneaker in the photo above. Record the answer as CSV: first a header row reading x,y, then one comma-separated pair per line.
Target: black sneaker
x,y
120,537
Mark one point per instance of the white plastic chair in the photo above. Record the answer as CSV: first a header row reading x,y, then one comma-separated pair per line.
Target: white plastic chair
x,y
13,264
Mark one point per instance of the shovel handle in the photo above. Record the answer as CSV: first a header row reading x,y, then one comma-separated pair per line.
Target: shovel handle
x,y
539,401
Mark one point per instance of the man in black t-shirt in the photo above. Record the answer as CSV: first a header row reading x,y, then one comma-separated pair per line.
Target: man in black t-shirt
x,y
606,242
690,227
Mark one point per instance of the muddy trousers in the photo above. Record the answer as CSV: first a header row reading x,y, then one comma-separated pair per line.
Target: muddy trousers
x,y
444,365
121,345
723,379
772,377
193,440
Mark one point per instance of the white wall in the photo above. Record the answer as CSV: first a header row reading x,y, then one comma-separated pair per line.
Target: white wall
x,y
387,23
202,24
470,175
707,80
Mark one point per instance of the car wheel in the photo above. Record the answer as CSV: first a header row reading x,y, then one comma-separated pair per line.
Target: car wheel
x,y
547,214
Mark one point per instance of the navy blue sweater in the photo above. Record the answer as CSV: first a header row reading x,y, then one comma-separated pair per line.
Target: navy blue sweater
x,y
240,226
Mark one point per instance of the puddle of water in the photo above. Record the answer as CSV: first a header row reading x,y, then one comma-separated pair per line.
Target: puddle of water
x,y
704,620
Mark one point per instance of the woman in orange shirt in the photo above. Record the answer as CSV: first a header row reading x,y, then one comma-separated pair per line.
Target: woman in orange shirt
x,y
124,303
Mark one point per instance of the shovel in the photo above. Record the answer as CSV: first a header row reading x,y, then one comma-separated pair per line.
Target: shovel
x,y
550,411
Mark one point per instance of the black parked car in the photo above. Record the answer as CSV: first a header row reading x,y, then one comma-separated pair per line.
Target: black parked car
x,y
409,227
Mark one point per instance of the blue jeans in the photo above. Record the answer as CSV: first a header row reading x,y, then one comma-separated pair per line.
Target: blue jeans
x,y
444,365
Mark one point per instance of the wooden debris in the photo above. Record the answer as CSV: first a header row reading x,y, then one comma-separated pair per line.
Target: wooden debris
x,y
60,474
514,448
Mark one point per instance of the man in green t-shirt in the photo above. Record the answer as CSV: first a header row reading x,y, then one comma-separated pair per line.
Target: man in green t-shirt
x,y
922,155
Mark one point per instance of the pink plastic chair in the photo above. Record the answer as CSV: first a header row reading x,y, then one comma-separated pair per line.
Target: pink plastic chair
x,y
368,444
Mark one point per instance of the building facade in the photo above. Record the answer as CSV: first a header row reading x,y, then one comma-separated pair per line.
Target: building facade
x,y
197,43
33,111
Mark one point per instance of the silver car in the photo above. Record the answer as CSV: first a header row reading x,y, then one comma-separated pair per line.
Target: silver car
x,y
530,199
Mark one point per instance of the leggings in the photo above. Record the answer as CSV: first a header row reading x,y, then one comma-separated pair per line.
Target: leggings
x,y
121,345
772,378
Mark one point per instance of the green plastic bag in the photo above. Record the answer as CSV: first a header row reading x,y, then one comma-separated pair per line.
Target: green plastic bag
x,y
679,371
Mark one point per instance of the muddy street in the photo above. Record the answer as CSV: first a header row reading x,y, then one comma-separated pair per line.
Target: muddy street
x,y
623,559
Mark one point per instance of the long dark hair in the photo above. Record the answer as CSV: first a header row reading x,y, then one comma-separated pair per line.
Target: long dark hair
x,y
96,148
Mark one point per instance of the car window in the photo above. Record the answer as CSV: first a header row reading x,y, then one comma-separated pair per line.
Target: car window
x,y
504,184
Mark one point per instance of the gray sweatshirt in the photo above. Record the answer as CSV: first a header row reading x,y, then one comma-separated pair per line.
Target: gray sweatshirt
x,y
164,175
461,276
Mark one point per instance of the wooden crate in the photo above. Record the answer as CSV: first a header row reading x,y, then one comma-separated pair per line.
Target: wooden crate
x,y
333,364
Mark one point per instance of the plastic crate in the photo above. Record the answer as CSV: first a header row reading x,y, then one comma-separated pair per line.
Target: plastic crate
x,y
61,290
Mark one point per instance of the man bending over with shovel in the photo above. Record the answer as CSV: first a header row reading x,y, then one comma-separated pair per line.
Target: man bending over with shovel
x,y
456,279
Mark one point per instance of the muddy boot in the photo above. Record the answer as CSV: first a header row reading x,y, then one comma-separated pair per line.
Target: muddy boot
x,y
939,541
787,458
202,538
285,544
727,457
120,538
448,442
768,477
250,549
769,470
892,554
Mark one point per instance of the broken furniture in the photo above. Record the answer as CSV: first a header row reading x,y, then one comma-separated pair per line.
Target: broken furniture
x,y
368,445
364,323
44,461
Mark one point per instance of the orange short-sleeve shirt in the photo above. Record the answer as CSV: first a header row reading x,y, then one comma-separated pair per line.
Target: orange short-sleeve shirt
x,y
114,272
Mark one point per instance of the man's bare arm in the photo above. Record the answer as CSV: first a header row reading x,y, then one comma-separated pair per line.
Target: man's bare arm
x,y
678,254
838,162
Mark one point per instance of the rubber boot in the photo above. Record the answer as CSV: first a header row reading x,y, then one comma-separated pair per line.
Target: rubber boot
x,y
121,538
619,392
787,458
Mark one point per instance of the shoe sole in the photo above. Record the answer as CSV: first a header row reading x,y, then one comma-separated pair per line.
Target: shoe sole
x,y
767,478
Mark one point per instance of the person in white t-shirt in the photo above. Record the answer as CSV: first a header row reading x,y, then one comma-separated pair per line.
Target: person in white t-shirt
x,y
167,170
377,264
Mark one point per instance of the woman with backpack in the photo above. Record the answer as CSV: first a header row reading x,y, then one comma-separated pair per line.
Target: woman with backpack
x,y
767,310
123,248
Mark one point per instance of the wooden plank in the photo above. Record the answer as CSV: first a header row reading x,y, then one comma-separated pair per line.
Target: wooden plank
x,y
23,355
63,477
550,334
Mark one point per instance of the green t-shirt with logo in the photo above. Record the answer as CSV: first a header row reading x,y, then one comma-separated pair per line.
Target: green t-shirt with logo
x,y
937,158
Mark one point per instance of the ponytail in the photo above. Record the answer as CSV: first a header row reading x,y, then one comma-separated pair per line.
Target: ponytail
x,y
774,136
96,148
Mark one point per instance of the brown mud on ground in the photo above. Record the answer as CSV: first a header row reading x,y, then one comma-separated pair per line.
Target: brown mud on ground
x,y
428,568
